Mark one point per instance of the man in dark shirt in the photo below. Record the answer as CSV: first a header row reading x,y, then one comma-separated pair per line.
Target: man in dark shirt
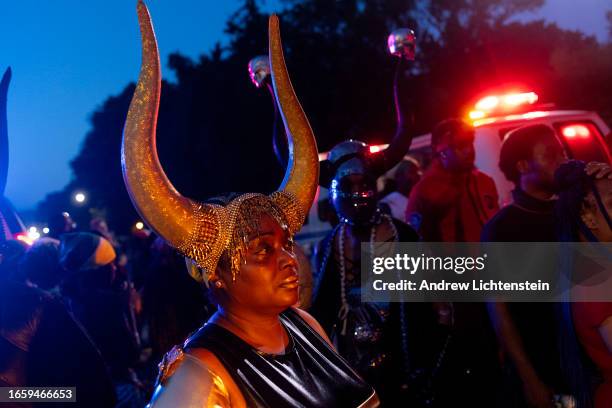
x,y
529,157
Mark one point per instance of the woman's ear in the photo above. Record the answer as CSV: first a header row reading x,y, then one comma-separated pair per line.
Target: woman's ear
x,y
222,274
216,280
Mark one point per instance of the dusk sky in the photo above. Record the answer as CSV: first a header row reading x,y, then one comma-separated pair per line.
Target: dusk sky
x,y
68,56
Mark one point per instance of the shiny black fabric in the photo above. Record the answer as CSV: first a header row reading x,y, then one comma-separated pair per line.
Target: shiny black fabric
x,y
309,374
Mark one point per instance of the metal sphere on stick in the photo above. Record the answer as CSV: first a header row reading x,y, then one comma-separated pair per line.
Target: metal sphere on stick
x,y
259,70
402,43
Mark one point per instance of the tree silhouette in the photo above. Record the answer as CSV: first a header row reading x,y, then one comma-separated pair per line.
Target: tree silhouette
x,y
214,131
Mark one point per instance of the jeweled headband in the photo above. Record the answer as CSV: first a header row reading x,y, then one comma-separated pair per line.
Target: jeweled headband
x,y
202,231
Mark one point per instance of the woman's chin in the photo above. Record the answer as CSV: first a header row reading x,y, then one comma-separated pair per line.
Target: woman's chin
x,y
288,297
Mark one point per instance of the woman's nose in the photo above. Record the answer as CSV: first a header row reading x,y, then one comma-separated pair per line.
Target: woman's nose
x,y
288,258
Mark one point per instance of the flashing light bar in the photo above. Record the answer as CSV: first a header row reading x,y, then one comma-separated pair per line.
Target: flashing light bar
x,y
487,103
502,103
476,114
520,116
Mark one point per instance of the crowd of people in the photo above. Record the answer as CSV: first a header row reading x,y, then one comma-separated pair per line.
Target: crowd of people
x,y
214,307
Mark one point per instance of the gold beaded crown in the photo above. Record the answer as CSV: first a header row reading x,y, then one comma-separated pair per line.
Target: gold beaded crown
x,y
202,231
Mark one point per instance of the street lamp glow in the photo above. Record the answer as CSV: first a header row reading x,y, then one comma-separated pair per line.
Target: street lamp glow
x,y
33,230
139,225
46,230
79,197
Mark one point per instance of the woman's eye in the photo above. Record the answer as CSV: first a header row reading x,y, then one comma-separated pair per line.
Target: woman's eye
x,y
262,250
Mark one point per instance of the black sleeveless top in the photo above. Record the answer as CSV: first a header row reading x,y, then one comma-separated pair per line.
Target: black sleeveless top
x,y
309,374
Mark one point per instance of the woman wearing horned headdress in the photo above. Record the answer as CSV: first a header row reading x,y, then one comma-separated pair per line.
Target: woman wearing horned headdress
x,y
256,350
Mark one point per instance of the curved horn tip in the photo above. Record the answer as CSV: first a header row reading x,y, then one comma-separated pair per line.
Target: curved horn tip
x,y
273,20
141,6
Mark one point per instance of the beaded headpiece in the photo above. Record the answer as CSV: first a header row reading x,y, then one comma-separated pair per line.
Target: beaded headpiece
x,y
203,231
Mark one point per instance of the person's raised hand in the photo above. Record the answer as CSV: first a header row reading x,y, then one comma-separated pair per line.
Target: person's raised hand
x,y
598,170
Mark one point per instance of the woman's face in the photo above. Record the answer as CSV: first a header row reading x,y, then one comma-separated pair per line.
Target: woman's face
x,y
268,281
593,217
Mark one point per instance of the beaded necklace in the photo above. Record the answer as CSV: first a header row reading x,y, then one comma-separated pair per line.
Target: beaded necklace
x,y
376,220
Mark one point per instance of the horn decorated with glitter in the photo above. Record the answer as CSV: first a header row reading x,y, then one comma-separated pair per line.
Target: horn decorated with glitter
x,y
203,231
302,174
164,209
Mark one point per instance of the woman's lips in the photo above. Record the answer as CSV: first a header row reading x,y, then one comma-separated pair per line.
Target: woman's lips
x,y
290,283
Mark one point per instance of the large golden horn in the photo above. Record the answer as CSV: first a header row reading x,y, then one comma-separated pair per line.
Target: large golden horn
x,y
302,174
164,209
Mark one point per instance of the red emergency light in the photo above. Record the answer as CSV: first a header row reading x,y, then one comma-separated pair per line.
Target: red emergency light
x,y
502,103
575,130
23,237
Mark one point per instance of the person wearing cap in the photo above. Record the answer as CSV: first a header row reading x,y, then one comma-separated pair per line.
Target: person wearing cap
x,y
453,200
257,350
101,307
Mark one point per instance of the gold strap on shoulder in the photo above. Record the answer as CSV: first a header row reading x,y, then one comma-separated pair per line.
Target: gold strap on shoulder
x,y
185,381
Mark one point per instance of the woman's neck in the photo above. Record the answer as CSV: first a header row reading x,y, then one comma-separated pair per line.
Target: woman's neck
x,y
262,331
